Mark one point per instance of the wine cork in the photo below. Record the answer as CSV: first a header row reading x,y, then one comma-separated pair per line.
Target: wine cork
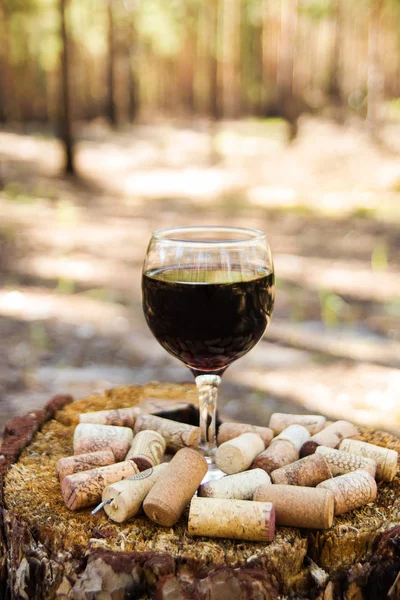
x,y
308,472
84,489
170,494
237,455
240,486
351,490
296,434
127,496
330,436
147,449
228,431
89,437
311,508
341,463
177,435
237,519
386,459
83,462
277,455
313,423
122,417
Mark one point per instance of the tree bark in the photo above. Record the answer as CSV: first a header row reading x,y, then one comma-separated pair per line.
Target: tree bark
x,y
215,103
5,82
270,45
111,105
213,28
231,58
375,76
66,119
334,87
287,44
133,92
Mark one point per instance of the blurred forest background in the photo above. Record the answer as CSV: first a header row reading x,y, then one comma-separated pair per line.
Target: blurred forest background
x,y
121,116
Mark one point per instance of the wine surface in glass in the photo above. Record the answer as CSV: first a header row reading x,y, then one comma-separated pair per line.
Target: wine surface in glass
x,y
208,317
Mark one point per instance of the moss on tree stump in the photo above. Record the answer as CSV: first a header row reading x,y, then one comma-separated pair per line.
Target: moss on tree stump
x,y
51,552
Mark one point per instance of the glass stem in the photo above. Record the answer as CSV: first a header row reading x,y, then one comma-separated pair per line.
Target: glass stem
x,y
207,387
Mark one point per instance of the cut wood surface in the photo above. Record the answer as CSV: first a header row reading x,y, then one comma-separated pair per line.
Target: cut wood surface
x,y
51,552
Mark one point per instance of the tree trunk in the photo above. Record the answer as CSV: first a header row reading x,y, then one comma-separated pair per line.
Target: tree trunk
x,y
49,552
186,74
270,45
5,76
215,104
375,76
231,58
334,87
133,92
111,107
287,44
213,29
257,103
66,120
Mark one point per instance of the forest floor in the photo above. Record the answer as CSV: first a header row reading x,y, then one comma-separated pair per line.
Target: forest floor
x,y
71,252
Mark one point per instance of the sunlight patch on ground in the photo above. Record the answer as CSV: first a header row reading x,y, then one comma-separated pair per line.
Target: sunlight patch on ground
x,y
246,144
354,279
188,183
28,304
330,203
81,236
347,277
114,239
28,148
345,341
89,271
273,197
365,394
330,169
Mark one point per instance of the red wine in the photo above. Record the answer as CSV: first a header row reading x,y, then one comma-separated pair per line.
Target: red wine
x,y
207,324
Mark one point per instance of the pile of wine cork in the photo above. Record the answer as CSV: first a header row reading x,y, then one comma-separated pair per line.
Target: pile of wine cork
x,y
120,452
120,460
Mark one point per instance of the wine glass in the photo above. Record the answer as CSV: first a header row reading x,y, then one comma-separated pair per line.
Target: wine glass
x,y
208,295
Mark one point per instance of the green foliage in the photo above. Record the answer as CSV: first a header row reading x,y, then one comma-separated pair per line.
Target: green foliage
x,y
65,286
67,212
15,193
270,127
50,50
8,234
34,28
38,336
393,309
333,307
103,295
379,258
161,27
253,11
393,107
233,202
316,9
14,6
154,32
24,194
88,25
363,212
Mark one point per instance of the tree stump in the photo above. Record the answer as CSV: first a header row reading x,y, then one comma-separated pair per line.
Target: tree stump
x,y
50,552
